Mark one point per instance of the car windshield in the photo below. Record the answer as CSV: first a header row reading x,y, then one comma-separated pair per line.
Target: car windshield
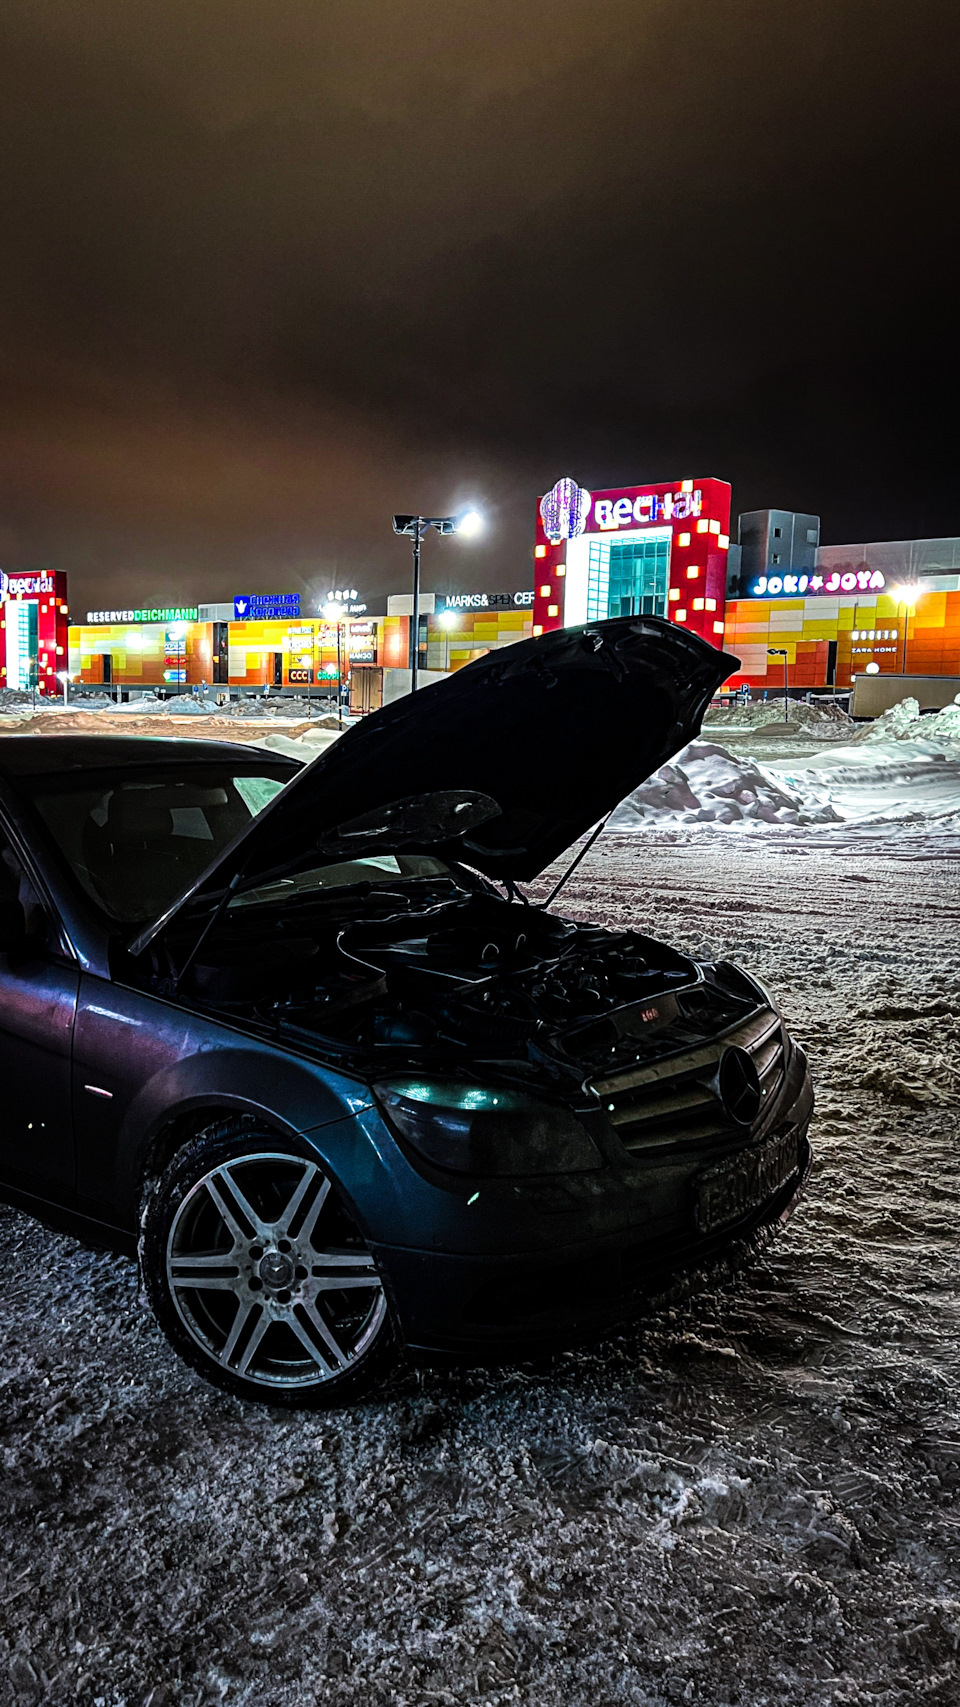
x,y
137,838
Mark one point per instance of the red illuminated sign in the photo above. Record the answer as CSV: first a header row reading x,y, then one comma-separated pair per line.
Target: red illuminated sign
x,y
33,630
639,550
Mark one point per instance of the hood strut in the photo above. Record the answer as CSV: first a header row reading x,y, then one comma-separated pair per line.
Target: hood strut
x,y
571,868
224,901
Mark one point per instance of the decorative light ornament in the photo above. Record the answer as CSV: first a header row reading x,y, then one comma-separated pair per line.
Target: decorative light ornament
x,y
564,510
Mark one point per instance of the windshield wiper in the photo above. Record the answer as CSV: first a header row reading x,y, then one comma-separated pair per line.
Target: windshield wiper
x,y
397,888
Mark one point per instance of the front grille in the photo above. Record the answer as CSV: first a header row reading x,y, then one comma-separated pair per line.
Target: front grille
x,y
674,1101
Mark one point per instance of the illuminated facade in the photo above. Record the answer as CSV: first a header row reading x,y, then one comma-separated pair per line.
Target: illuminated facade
x,y
894,604
828,642
457,628
638,550
186,653
33,630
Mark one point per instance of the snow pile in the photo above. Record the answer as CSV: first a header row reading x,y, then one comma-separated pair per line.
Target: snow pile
x,y
309,745
897,781
824,717
706,784
192,705
139,704
250,705
937,730
302,740
15,700
23,706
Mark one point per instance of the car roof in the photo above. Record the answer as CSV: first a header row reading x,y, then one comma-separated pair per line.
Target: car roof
x,y
53,755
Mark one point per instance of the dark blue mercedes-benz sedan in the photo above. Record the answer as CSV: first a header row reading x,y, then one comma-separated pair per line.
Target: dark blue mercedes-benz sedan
x,y
295,1034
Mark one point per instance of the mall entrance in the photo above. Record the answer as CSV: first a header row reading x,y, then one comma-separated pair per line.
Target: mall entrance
x,y
623,575
627,577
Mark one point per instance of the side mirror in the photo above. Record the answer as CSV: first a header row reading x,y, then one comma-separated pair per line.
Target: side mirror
x,y
13,924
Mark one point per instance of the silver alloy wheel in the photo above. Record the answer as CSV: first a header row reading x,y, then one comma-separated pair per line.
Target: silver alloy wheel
x,y
255,1284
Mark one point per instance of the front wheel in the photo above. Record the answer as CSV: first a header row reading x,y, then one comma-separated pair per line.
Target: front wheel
x,y
257,1275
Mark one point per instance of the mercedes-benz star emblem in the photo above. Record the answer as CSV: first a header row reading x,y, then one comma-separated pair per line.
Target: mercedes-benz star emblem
x,y
738,1086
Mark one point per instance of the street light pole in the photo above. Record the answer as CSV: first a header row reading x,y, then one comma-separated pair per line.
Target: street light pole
x,y
414,528
415,619
781,652
334,613
906,599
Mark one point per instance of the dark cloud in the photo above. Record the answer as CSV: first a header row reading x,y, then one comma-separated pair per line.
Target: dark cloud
x,y
271,272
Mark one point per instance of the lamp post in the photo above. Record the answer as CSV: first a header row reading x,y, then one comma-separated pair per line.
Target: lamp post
x,y
414,527
781,652
448,619
907,597
334,613
63,677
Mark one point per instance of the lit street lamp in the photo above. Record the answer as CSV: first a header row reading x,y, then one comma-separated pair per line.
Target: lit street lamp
x,y
781,652
414,527
448,619
334,613
907,597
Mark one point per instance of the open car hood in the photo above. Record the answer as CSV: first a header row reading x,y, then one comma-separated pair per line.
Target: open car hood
x,y
556,730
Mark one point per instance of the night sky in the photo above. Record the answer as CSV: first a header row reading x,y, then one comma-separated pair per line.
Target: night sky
x,y
273,269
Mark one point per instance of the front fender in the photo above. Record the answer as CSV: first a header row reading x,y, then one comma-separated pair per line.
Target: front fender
x,y
143,1066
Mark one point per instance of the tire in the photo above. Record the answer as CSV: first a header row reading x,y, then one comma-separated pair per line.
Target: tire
x,y
257,1275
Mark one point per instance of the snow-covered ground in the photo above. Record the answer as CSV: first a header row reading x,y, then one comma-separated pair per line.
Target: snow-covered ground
x,y
749,1498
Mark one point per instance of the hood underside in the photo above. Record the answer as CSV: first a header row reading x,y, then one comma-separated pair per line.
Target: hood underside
x,y
556,730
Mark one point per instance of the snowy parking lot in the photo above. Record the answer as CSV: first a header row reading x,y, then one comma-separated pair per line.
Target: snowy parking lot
x,y
749,1497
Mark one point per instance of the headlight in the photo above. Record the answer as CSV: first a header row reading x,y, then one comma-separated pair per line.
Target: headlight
x,y
479,1129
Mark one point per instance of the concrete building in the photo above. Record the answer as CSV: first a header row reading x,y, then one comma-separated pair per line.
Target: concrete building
x,y
772,540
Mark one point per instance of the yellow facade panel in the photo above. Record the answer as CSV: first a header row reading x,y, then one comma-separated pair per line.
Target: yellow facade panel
x,y
931,611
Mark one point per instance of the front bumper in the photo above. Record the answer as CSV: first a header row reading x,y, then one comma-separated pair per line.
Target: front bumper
x,y
493,1268
491,1307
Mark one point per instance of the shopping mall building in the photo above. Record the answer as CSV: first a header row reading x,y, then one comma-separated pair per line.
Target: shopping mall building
x,y
663,549
834,610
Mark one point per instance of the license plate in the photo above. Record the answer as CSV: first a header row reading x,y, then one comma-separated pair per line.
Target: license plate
x,y
732,1189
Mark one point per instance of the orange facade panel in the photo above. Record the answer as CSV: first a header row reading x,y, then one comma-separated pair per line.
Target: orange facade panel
x,y
857,631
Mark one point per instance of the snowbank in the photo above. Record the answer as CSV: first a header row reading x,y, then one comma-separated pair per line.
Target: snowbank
x,y
309,745
825,718
706,784
939,731
303,739
897,781
20,706
185,705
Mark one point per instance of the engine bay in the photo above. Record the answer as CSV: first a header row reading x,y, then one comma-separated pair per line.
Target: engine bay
x,y
432,973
